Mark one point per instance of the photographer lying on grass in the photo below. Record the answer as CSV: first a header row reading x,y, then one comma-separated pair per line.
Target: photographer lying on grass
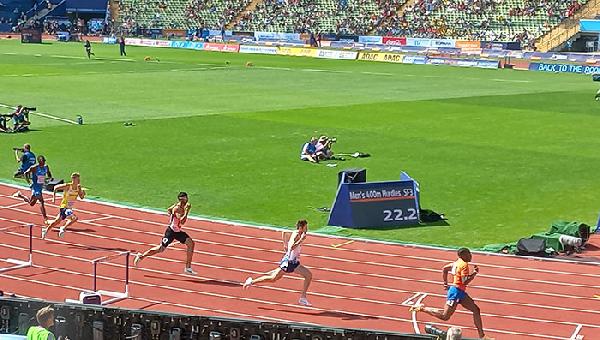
x,y
19,118
323,147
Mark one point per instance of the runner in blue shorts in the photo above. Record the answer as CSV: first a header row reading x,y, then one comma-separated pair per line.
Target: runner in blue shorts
x,y
290,263
36,175
457,292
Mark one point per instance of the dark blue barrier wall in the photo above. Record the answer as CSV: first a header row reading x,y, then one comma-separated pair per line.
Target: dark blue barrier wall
x,y
88,322
92,6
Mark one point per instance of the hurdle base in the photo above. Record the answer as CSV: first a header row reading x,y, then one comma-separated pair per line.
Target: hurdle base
x,y
114,297
18,265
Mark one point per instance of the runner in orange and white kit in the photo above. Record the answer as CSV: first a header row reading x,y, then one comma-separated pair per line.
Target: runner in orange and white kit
x,y
178,213
71,192
457,291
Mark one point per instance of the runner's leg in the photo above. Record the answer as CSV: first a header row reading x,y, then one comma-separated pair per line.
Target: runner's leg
x,y
307,274
43,208
469,304
190,252
271,276
18,194
150,252
440,314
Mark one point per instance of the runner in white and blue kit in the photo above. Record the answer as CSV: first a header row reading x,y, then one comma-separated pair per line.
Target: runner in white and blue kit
x,y
36,175
290,263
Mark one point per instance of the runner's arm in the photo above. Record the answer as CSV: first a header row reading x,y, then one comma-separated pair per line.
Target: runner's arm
x,y
297,240
471,276
445,272
60,187
285,239
80,192
29,172
170,209
186,211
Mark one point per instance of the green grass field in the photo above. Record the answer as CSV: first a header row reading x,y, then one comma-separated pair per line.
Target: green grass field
x,y
502,153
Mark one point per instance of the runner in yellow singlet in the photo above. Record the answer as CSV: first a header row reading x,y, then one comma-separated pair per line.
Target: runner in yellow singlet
x,y
71,192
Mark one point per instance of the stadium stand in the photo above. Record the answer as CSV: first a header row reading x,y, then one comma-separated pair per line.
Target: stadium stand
x,y
568,28
329,16
491,20
181,14
520,20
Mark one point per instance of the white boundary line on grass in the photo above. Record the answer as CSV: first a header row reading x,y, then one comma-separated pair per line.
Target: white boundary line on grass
x,y
45,115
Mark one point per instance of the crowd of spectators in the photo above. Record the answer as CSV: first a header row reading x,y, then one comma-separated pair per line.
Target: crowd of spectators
x,y
213,13
301,16
508,20
183,14
26,16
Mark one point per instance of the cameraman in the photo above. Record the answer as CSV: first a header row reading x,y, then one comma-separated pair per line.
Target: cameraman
x,y
323,146
3,118
27,159
20,118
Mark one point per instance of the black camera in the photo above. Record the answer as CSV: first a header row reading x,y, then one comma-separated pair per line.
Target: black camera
x,y
431,329
19,149
30,108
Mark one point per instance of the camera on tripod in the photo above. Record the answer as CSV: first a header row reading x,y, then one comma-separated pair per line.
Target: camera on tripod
x,y
30,108
431,329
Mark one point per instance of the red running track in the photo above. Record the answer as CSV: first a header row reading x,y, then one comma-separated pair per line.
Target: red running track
x,y
358,284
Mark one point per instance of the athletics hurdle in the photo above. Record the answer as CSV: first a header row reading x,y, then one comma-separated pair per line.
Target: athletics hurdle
x,y
17,264
115,296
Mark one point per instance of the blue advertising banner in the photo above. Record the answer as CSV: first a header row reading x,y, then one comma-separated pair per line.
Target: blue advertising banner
x,y
418,42
564,68
258,49
479,63
589,25
214,33
487,64
88,6
193,45
277,36
414,59
109,40
370,39
376,204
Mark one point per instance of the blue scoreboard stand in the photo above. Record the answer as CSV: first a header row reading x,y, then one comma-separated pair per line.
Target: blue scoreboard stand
x,y
376,204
